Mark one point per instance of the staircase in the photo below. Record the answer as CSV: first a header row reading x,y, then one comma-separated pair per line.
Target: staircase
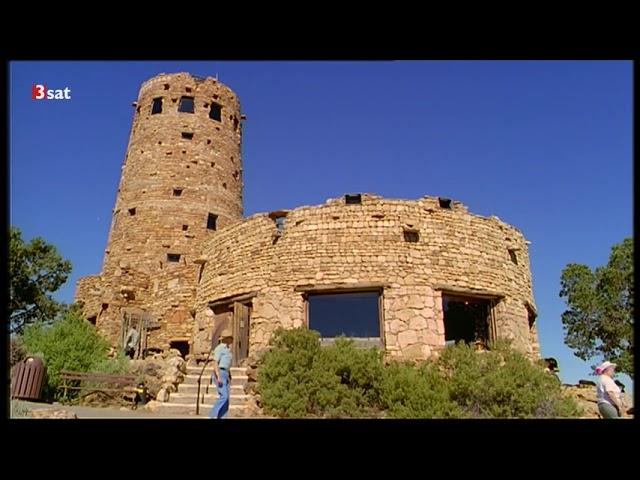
x,y
183,401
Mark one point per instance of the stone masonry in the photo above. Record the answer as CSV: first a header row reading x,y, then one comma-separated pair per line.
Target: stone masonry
x,y
344,246
182,171
179,168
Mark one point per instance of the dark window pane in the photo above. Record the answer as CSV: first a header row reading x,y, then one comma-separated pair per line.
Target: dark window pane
x,y
216,112
351,314
156,106
186,105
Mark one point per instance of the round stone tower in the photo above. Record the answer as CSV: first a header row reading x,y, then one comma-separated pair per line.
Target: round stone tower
x,y
181,181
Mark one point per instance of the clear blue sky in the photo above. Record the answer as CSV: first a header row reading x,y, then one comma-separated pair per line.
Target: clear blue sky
x,y
545,146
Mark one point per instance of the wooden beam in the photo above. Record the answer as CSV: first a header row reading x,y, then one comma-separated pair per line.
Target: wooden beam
x,y
343,287
474,292
232,298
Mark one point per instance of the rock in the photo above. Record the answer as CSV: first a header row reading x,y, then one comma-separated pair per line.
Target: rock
x,y
407,338
163,395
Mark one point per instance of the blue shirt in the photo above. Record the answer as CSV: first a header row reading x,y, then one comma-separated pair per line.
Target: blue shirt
x,y
222,355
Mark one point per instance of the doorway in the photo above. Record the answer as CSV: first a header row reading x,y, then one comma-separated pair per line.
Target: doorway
x,y
469,320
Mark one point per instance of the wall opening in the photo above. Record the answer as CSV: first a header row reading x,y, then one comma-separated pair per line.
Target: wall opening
x,y
132,211
466,319
444,202
513,256
187,89
411,236
235,123
215,113
177,192
173,257
187,135
156,106
212,221
166,86
92,320
353,199
352,314
186,105
181,345
185,228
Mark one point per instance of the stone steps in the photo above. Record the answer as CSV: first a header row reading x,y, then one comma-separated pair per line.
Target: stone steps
x,y
183,401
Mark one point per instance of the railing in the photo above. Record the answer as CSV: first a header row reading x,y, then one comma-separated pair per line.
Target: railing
x,y
206,361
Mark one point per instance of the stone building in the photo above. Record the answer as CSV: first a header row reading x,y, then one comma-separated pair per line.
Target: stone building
x,y
407,275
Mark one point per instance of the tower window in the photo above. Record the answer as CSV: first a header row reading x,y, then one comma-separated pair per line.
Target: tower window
x,y
173,257
156,106
188,89
235,123
411,236
211,221
444,202
132,211
177,192
186,105
216,112
185,228
513,256
353,199
187,135
166,86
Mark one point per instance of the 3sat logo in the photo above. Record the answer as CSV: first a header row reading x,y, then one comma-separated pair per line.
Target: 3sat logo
x,y
41,92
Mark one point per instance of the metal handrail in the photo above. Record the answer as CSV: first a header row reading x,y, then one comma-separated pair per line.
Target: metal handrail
x,y
206,361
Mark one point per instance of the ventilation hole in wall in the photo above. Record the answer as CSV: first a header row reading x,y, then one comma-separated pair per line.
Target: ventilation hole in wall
x,y
188,166
177,192
132,211
187,135
231,158
185,228
411,236
208,142
188,89
174,100
213,164
160,265
378,215
169,153
513,256
206,105
215,95
444,202
141,151
166,86
159,143
195,162
224,185
335,217
173,257
184,151
218,128
138,110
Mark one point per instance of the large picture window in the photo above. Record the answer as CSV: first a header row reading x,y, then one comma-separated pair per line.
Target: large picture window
x,y
353,314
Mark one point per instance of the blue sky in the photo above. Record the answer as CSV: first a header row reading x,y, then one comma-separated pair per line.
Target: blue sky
x,y
544,145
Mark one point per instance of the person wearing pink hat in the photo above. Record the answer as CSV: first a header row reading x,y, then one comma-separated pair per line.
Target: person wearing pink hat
x,y
608,393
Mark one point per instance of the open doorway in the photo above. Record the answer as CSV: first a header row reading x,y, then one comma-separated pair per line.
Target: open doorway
x,y
468,320
237,314
182,346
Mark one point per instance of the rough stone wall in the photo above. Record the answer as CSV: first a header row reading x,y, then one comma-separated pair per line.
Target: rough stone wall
x,y
178,168
337,243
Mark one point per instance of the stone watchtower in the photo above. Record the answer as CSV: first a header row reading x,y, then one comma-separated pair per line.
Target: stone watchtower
x,y
181,181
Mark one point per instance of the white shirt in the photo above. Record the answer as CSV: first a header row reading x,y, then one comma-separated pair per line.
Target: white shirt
x,y
606,384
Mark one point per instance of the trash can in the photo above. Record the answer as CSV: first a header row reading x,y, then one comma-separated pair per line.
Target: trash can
x,y
27,379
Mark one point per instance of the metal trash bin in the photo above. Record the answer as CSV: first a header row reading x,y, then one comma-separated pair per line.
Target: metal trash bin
x,y
27,379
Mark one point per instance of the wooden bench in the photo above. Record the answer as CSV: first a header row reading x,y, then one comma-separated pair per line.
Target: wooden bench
x,y
113,385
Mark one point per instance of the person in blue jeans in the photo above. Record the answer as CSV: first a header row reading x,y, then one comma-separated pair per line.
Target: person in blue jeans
x,y
222,357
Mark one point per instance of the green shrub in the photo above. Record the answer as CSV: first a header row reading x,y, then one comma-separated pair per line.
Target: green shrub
x,y
502,383
19,409
410,391
298,378
18,352
70,343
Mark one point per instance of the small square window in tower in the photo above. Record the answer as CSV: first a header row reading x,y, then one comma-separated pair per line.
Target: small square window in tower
x,y
186,105
177,192
211,221
132,211
156,106
215,113
353,199
173,257
411,236
187,135
444,202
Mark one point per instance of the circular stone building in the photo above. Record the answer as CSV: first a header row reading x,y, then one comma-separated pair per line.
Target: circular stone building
x,y
409,276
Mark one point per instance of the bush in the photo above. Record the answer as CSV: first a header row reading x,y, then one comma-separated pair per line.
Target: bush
x,y
19,409
18,352
502,383
70,343
298,378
